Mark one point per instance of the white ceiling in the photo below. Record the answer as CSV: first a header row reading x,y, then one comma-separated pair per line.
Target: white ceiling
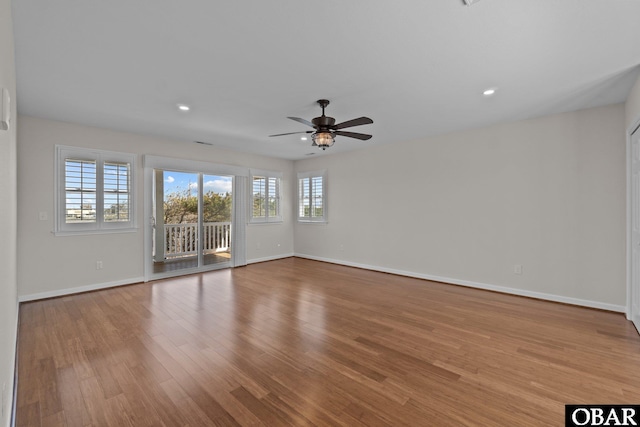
x,y
416,67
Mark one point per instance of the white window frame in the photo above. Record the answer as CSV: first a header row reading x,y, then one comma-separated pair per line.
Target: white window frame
x,y
99,226
309,176
267,175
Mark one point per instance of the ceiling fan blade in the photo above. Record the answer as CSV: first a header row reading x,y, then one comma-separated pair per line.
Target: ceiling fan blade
x,y
362,136
355,122
303,121
291,133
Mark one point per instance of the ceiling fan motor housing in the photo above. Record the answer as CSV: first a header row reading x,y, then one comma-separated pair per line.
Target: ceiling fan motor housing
x,y
323,122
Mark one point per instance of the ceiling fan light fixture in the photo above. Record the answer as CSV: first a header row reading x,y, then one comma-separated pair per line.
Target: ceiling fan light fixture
x,y
323,139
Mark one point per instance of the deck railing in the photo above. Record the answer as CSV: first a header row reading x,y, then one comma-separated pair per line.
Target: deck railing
x,y
182,239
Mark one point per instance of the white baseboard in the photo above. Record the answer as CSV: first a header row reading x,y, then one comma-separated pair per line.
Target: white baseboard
x,y
478,285
269,258
79,289
471,284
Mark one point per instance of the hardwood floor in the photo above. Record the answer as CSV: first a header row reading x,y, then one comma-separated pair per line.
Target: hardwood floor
x,y
299,342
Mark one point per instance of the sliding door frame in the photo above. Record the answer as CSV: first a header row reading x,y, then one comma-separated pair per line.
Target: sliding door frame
x,y
239,208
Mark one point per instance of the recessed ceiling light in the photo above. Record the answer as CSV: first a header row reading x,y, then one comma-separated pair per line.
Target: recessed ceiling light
x,y
303,138
489,92
183,107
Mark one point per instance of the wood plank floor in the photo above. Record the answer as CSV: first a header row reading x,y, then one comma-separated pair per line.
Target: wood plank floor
x,y
299,342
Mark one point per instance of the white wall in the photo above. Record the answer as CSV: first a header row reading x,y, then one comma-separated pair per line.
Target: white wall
x,y
546,193
8,219
632,106
48,264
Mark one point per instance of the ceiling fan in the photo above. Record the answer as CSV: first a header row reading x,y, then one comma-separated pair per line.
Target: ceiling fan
x,y
326,130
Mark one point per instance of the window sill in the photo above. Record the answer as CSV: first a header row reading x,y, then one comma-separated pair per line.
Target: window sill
x,y
278,222
88,232
323,222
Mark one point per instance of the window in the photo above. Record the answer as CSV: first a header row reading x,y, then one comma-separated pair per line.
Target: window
x,y
312,200
265,196
94,191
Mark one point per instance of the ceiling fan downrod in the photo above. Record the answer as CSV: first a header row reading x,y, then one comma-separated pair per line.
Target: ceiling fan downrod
x,y
323,103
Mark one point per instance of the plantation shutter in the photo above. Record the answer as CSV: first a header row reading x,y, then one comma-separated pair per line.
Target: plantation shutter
x,y
259,187
265,196
316,197
312,204
80,177
94,191
116,191
273,197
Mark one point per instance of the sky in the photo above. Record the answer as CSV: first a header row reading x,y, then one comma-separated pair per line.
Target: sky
x,y
178,181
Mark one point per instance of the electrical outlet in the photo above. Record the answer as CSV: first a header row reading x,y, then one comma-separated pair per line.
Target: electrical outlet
x,y
42,216
258,245
341,247
517,269
98,265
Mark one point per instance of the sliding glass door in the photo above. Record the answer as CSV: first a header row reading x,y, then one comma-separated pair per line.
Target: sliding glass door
x,y
191,222
217,204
